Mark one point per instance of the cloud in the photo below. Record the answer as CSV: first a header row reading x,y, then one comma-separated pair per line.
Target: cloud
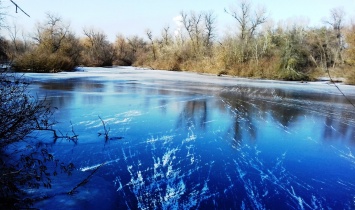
x,y
178,22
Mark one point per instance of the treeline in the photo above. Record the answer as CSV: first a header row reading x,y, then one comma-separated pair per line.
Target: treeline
x,y
256,48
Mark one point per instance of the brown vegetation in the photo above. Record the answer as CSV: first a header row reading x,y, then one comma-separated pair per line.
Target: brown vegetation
x,y
350,55
55,48
256,49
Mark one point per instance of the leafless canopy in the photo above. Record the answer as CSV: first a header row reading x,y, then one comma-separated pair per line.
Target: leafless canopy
x,y
200,28
248,20
336,21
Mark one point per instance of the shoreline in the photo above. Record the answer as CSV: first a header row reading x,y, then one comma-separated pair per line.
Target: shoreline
x,y
129,73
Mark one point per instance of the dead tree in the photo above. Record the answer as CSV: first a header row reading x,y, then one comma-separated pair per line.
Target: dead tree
x,y
336,23
166,36
192,24
248,22
210,27
100,51
150,37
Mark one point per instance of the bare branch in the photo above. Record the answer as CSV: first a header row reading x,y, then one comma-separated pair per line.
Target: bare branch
x,y
150,37
17,7
86,180
210,21
105,130
165,34
247,24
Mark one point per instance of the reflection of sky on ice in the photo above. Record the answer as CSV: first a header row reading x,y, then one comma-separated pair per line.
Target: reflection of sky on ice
x,y
195,141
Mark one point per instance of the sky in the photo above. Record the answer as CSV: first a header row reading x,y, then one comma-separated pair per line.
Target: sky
x,y
134,17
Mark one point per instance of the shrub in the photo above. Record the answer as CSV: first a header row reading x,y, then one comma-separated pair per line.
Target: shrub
x,y
42,62
23,165
350,77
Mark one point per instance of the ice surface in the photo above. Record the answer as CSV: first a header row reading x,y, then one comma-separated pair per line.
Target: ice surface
x,y
195,141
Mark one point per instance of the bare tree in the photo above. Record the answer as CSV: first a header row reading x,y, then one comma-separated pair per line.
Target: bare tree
x,y
2,16
3,42
52,33
55,48
100,52
150,37
192,24
248,23
18,43
136,43
336,21
122,52
136,48
4,45
166,36
196,20
13,36
248,20
200,28
210,27
186,23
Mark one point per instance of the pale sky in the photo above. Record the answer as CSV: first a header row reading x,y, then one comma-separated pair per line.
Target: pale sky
x,y
133,17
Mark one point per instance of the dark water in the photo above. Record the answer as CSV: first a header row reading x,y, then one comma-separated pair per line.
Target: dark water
x,y
200,142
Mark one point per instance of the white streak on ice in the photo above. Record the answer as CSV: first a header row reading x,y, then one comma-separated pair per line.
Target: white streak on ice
x,y
87,168
168,156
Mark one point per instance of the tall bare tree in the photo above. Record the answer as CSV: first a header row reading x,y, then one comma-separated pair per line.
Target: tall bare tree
x,y
18,43
192,24
336,22
165,33
248,21
210,28
122,51
152,44
200,28
2,16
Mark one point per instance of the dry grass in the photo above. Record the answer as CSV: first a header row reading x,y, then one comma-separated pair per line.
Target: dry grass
x,y
42,62
350,75
265,68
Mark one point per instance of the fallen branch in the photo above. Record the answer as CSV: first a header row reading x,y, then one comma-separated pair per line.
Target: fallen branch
x,y
72,191
62,136
48,127
85,181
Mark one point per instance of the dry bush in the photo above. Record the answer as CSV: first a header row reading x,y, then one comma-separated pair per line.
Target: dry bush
x,y
42,62
168,58
349,74
350,79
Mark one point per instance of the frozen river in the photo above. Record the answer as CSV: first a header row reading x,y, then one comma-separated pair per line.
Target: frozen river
x,y
187,141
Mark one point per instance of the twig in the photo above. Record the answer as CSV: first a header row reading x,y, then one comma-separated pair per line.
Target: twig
x,y
72,191
17,7
106,131
86,180
62,136
75,137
